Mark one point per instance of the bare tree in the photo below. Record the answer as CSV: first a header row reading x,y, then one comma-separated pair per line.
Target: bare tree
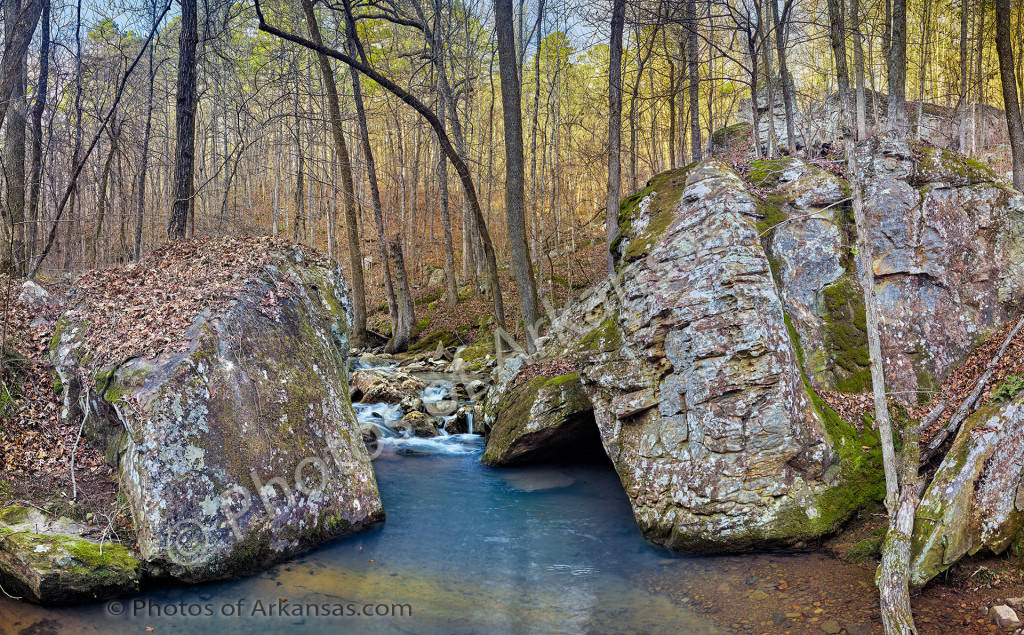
x,y
355,256
515,209
614,126
1011,98
185,122
17,37
897,64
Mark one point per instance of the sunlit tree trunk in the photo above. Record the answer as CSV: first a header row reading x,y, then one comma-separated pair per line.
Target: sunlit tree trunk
x,y
514,187
1011,99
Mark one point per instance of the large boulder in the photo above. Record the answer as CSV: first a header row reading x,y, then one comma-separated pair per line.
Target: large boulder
x,y
948,243
976,499
541,418
43,561
805,231
236,443
687,360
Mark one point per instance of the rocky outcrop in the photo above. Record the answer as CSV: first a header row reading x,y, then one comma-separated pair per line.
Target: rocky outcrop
x,y
694,379
43,561
236,445
805,231
948,240
538,419
946,236
976,499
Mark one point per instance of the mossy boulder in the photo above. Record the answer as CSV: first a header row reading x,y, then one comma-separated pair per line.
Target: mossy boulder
x,y
237,446
42,561
976,499
694,377
543,418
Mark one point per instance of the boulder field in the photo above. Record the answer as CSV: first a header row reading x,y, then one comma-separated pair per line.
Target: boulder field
x,y
701,359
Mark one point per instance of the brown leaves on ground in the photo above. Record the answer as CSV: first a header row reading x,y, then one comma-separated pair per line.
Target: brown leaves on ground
x,y
961,381
552,368
35,445
142,309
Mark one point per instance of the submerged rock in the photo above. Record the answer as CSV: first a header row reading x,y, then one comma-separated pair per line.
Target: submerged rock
x,y
237,446
43,562
976,499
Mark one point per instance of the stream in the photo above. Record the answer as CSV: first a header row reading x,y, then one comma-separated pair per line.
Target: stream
x,y
464,549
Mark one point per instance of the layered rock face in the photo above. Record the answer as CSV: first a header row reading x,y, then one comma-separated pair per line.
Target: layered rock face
x,y
946,236
237,446
948,240
702,356
695,383
976,499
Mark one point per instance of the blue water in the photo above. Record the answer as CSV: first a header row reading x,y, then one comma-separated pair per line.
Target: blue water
x,y
465,549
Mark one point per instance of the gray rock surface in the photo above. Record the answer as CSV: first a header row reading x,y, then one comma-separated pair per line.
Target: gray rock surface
x,y
238,447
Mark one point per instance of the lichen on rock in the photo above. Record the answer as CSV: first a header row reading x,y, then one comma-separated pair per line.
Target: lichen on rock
x,y
237,446
976,498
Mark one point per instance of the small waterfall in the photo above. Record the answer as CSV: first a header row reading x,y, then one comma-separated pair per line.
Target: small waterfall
x,y
440,401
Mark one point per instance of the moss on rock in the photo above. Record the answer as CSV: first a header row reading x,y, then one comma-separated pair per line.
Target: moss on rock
x,y
846,342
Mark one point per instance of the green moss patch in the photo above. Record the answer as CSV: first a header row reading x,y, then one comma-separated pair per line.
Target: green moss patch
x,y
606,336
861,479
846,339
766,173
429,343
938,164
662,193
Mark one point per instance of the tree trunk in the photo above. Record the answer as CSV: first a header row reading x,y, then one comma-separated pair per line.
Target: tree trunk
x,y
36,170
451,293
897,63
893,573
460,165
144,159
614,126
514,173
399,337
858,69
355,256
962,128
185,122
693,64
1011,101
16,46
781,39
